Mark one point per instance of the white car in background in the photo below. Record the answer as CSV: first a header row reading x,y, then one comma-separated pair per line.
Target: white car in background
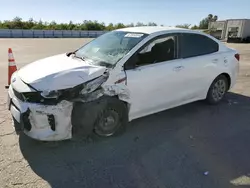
x,y
120,76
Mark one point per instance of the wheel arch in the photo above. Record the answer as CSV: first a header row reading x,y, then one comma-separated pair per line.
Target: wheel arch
x,y
224,74
84,115
228,79
209,96
125,102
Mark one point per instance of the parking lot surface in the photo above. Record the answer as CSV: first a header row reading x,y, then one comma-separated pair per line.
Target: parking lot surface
x,y
192,146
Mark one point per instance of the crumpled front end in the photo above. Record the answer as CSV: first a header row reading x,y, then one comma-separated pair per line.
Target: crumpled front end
x,y
49,122
49,119
41,121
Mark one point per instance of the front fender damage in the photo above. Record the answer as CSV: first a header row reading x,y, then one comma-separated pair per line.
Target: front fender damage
x,y
101,87
71,112
94,99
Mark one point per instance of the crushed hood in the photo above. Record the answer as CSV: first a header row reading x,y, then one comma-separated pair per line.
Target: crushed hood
x,y
58,72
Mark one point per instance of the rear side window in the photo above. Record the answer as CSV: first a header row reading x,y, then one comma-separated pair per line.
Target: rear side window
x,y
195,45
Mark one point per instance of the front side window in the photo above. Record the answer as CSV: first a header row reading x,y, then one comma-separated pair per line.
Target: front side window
x,y
195,45
158,50
109,48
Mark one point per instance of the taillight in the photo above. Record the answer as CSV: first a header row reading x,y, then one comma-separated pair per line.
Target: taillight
x,y
237,56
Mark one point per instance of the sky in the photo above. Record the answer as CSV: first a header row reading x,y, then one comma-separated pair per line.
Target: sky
x,y
166,12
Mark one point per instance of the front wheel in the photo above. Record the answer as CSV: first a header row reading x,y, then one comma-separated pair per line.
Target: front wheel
x,y
217,90
112,119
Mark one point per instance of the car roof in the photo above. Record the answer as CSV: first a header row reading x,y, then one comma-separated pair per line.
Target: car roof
x,y
157,30
151,29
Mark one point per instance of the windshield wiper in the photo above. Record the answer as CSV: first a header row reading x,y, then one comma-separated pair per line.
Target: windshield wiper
x,y
82,58
70,53
105,64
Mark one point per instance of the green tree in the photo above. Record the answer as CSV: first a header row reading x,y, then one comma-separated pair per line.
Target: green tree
x,y
92,25
8,24
110,27
71,25
139,24
62,26
30,23
52,25
3,25
119,26
77,26
152,24
205,22
130,25
38,25
17,23
186,26
195,27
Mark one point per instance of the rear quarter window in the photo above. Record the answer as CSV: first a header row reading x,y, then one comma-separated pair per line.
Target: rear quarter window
x,y
193,45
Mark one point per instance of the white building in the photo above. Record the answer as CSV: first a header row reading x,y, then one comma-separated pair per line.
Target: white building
x,y
218,28
232,28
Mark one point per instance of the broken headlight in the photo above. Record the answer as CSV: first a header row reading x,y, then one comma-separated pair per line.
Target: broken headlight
x,y
93,84
51,94
62,94
71,93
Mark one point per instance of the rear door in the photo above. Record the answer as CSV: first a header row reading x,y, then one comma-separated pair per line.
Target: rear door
x,y
200,59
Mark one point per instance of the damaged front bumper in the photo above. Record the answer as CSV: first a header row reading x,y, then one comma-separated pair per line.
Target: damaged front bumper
x,y
40,121
47,118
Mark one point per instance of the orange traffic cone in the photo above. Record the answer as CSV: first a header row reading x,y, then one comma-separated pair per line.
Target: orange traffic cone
x,y
12,65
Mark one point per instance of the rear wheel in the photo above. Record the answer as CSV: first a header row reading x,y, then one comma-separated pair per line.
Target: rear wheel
x,y
217,90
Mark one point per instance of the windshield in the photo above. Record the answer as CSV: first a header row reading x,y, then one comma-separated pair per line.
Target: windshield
x,y
109,48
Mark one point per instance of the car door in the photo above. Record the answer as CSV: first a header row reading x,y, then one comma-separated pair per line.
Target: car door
x,y
155,79
199,56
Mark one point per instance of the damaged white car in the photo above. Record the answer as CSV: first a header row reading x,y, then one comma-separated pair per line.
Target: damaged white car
x,y
120,76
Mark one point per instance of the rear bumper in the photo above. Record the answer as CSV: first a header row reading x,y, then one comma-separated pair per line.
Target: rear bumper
x,y
234,74
42,122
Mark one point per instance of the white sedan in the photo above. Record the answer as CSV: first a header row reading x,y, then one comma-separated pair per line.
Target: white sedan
x,y
120,76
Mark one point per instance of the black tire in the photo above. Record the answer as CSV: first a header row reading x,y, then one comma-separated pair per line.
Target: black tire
x,y
83,118
248,40
17,126
213,96
86,117
116,112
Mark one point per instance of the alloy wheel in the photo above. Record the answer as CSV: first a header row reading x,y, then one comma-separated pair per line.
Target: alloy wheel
x,y
219,90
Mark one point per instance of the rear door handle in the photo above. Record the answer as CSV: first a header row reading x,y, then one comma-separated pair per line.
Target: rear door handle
x,y
178,68
215,61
